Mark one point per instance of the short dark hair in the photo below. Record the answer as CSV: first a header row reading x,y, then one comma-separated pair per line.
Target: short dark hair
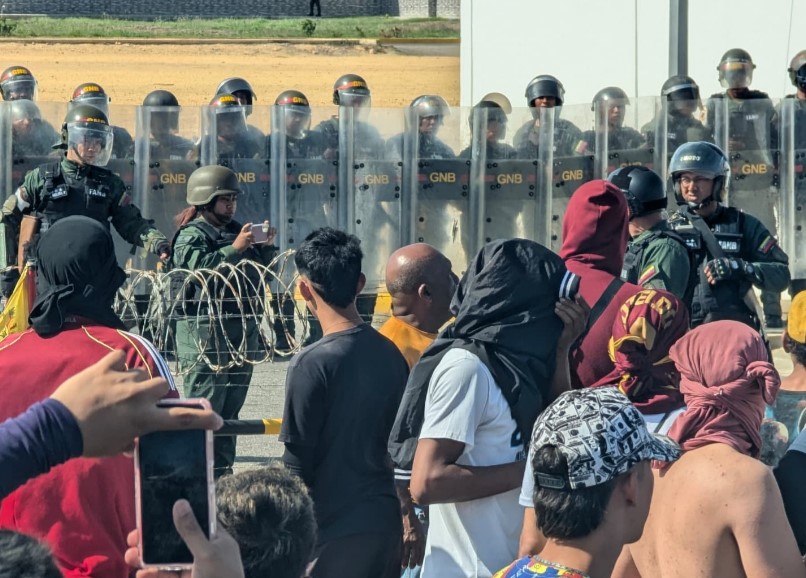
x,y
413,274
270,515
23,556
331,259
797,349
567,514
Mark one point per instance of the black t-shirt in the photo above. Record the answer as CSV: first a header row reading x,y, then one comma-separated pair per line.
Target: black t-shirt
x,y
342,395
790,474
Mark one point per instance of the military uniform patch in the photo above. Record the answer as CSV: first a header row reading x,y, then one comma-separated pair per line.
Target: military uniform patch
x,y
767,244
648,273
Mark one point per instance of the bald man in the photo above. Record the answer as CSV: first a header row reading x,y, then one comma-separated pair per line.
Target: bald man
x,y
421,283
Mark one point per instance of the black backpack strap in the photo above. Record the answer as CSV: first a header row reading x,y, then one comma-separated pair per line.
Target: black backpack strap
x,y
50,172
598,308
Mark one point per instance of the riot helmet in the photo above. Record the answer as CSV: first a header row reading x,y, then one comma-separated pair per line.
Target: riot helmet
x,y
736,69
614,100
230,115
240,89
544,86
682,94
24,115
92,94
351,90
430,110
797,70
162,119
642,187
703,159
18,83
87,135
496,119
297,112
208,182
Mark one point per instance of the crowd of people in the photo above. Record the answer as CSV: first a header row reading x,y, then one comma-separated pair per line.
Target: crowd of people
x,y
608,409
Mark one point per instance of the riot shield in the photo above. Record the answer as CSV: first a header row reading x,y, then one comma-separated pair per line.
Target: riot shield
x,y
792,175
616,137
675,123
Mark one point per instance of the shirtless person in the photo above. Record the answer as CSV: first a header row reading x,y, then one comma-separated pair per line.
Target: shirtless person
x,y
717,511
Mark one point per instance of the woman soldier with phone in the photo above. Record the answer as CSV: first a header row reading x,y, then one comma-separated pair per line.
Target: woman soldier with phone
x,y
208,236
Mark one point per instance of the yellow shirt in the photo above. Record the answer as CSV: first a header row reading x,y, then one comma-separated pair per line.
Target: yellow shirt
x,y
409,340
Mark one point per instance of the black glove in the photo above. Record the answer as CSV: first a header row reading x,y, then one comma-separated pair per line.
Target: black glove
x,y
163,247
8,280
727,269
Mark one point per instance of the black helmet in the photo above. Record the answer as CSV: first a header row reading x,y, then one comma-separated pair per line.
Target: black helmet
x,y
93,94
294,99
544,85
239,88
298,112
84,123
704,159
17,83
163,98
797,70
210,181
610,93
736,69
642,187
680,87
351,90
430,105
495,113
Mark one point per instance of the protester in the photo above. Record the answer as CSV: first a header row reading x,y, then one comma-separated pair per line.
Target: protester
x,y
342,393
84,508
593,481
22,556
270,515
789,475
470,399
594,240
717,511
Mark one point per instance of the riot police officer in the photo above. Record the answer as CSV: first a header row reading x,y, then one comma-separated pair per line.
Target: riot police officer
x,y
682,97
164,141
351,90
232,138
430,111
207,237
494,132
656,257
242,90
300,141
79,185
545,91
30,135
733,250
17,83
613,101
93,94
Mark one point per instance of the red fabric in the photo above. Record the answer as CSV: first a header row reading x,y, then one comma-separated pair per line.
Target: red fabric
x,y
84,508
726,380
647,325
595,234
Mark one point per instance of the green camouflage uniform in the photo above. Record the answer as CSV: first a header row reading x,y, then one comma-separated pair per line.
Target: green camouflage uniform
x,y
655,260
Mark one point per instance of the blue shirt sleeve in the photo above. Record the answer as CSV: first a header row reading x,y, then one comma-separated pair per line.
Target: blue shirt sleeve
x,y
45,436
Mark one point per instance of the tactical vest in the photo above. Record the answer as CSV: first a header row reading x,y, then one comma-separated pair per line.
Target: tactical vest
x,y
631,270
726,299
63,196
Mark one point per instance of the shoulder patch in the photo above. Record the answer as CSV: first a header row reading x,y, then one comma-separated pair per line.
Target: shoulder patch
x,y
581,148
647,274
125,200
767,244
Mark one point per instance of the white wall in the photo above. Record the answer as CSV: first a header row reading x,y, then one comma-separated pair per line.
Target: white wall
x,y
590,44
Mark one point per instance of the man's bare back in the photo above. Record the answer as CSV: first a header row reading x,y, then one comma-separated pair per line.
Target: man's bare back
x,y
714,513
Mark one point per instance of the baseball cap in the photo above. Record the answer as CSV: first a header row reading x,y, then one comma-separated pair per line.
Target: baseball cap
x,y
796,319
601,434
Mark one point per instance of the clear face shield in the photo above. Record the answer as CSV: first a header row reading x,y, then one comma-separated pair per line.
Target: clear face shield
x,y
734,74
99,102
683,100
24,115
230,122
800,78
91,143
24,88
355,98
297,121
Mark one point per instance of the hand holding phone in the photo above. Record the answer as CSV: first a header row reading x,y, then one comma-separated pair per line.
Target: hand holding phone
x,y
263,233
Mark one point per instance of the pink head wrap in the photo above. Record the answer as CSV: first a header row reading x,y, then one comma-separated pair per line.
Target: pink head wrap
x,y
725,380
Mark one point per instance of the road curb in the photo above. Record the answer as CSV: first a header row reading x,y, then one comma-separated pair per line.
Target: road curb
x,y
240,41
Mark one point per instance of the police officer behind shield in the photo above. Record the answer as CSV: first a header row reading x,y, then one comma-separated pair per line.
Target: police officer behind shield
x,y
614,102
243,91
30,135
733,250
18,83
656,257
682,96
300,141
494,132
94,94
164,141
545,91
232,139
79,185
430,111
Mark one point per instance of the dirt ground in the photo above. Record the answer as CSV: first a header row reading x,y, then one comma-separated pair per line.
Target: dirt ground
x,y
192,72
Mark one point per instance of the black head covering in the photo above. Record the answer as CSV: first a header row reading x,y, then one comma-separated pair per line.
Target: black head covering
x,y
504,314
77,274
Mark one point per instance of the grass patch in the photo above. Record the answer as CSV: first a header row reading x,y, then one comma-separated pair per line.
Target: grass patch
x,y
366,27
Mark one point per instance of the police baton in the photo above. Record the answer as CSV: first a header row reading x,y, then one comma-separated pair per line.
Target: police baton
x,y
250,427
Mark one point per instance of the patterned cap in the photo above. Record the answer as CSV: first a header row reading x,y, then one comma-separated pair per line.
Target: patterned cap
x,y
601,435
796,320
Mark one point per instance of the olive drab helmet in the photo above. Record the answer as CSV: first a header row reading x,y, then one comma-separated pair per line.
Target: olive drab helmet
x,y
210,181
702,158
18,83
239,88
736,69
86,132
163,98
542,86
92,94
351,90
797,70
642,187
297,112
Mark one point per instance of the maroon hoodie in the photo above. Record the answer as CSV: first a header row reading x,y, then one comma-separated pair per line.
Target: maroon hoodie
x,y
595,234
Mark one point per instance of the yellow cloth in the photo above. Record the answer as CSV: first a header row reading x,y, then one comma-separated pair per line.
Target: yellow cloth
x,y
409,340
796,321
14,317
